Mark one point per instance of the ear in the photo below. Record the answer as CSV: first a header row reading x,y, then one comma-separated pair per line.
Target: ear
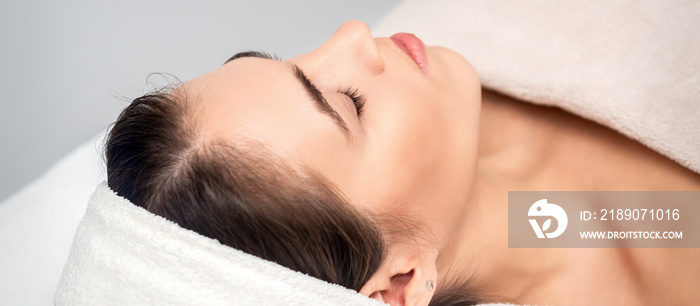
x,y
403,277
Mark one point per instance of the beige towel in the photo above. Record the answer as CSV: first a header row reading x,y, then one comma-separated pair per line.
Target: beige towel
x,y
633,66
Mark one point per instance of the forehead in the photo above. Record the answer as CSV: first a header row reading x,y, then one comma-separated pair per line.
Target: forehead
x,y
258,99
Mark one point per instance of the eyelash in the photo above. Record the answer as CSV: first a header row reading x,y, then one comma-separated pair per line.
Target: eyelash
x,y
357,99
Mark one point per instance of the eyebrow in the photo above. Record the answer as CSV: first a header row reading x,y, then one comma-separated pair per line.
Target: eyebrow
x,y
251,53
321,103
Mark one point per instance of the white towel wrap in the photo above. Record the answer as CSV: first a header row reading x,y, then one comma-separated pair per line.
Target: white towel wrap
x,y
125,255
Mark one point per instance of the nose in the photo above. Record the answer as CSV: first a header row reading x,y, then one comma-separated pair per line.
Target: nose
x,y
352,46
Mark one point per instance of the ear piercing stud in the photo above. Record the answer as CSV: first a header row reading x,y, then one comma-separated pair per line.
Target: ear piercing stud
x,y
430,285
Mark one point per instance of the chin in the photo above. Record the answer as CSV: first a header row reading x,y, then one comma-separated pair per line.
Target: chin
x,y
454,71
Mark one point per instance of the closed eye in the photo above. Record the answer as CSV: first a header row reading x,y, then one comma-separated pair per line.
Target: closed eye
x,y
357,98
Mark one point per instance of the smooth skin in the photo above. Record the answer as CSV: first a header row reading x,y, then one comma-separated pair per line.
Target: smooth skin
x,y
429,147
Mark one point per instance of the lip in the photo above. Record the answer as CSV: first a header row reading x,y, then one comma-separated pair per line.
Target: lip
x,y
414,47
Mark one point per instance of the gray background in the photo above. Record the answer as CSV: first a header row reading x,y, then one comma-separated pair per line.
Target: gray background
x,y
68,67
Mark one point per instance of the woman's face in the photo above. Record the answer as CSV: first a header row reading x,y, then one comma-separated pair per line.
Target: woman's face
x,y
412,149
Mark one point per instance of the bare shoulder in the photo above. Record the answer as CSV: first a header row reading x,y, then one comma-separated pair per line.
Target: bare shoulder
x,y
546,148
666,276
559,150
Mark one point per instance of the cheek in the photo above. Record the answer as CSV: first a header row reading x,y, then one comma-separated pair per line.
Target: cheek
x,y
406,150
421,144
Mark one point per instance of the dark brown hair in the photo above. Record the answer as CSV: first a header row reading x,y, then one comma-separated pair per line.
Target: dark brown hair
x,y
240,194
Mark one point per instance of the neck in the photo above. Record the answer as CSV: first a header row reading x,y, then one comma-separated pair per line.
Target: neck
x,y
482,257
480,250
